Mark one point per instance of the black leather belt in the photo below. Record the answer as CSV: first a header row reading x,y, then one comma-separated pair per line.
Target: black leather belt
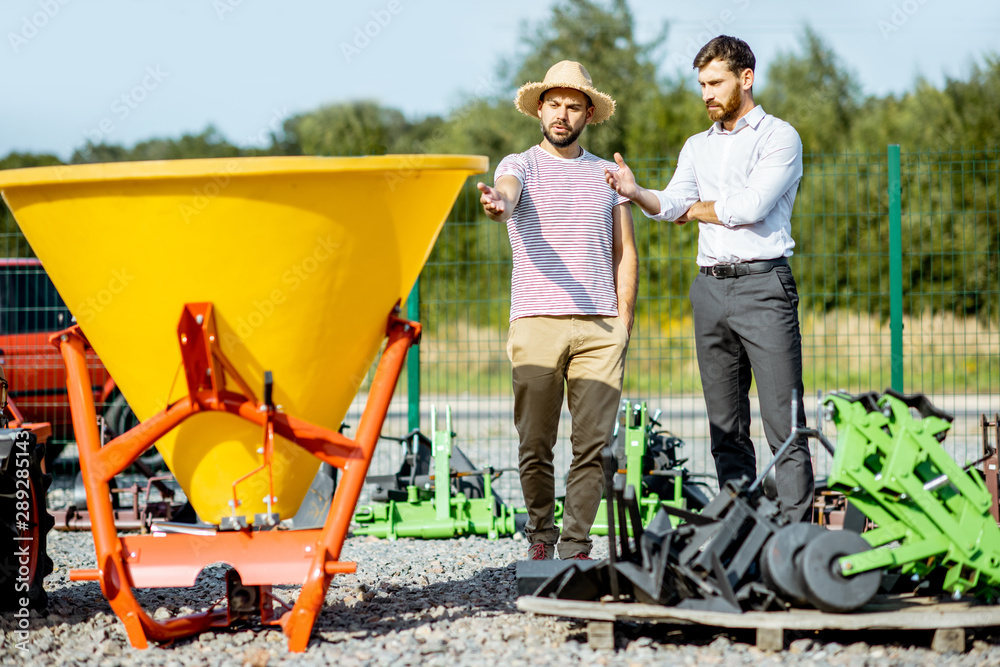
x,y
743,268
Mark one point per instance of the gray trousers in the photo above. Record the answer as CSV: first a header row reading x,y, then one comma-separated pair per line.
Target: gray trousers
x,y
743,325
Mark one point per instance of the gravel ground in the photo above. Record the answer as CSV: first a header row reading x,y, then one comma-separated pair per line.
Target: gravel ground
x,y
426,602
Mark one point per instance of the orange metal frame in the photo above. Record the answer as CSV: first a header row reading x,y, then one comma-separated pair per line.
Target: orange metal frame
x,y
262,558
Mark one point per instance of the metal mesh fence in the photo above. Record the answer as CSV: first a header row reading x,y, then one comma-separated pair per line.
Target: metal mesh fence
x,y
30,311
948,294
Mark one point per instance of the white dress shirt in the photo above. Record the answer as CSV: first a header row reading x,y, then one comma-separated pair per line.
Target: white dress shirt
x,y
751,173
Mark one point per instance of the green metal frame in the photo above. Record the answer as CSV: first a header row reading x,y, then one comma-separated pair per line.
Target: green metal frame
x,y
440,511
635,420
895,192
413,363
929,512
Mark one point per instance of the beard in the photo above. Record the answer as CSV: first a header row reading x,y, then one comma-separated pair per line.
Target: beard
x,y
728,109
561,142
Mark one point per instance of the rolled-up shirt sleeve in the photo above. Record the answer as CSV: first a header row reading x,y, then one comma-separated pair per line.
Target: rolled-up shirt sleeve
x,y
779,169
682,191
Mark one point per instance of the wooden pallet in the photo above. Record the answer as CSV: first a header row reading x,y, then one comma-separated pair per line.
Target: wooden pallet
x,y
948,620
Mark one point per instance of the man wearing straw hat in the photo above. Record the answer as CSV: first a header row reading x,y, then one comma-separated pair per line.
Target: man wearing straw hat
x,y
573,289
738,179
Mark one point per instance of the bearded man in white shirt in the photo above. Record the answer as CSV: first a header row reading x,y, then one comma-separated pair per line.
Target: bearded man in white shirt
x,y
738,180
573,289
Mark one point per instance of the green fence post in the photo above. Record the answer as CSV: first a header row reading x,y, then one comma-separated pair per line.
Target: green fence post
x,y
896,267
413,363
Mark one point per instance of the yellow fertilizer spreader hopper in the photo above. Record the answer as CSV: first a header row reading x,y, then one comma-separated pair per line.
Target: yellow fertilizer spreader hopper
x,y
238,303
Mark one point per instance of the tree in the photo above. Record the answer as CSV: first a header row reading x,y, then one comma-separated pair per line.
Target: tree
x,y
208,144
353,128
487,126
24,160
813,92
664,121
603,40
13,242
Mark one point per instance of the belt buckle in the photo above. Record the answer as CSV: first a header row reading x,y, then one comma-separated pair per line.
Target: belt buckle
x,y
724,270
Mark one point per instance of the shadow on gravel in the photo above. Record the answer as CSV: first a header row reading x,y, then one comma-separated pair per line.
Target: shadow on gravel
x,y
797,641
80,601
356,612
376,611
687,635
392,608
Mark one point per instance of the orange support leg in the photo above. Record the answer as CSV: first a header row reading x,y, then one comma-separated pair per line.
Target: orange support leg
x,y
298,623
261,558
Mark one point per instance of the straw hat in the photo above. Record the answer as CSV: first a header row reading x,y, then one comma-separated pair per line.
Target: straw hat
x,y
565,74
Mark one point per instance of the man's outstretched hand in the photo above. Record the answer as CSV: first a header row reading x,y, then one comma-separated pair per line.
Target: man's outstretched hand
x,y
491,200
623,180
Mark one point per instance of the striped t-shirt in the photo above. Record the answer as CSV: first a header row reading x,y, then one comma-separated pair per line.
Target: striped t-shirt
x,y
561,235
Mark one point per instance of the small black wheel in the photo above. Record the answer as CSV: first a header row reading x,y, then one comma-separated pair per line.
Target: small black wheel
x,y
80,493
825,585
24,522
778,558
118,416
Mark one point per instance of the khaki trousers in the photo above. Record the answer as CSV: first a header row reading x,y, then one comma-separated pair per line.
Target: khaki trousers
x,y
586,354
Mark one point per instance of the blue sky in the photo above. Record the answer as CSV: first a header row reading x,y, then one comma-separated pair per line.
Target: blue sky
x,y
127,70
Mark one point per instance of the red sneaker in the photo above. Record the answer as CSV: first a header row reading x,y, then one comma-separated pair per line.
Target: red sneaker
x,y
582,556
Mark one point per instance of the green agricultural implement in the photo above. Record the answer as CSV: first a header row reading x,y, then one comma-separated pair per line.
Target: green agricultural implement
x,y
934,529
437,506
933,518
652,468
412,503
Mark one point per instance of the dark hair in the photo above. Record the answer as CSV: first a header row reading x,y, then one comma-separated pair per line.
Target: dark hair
x,y
733,51
590,102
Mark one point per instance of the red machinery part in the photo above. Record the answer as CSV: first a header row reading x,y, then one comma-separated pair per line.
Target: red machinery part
x,y
991,461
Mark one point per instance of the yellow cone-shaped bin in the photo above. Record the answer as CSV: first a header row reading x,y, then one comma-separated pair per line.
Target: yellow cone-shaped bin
x,y
302,257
